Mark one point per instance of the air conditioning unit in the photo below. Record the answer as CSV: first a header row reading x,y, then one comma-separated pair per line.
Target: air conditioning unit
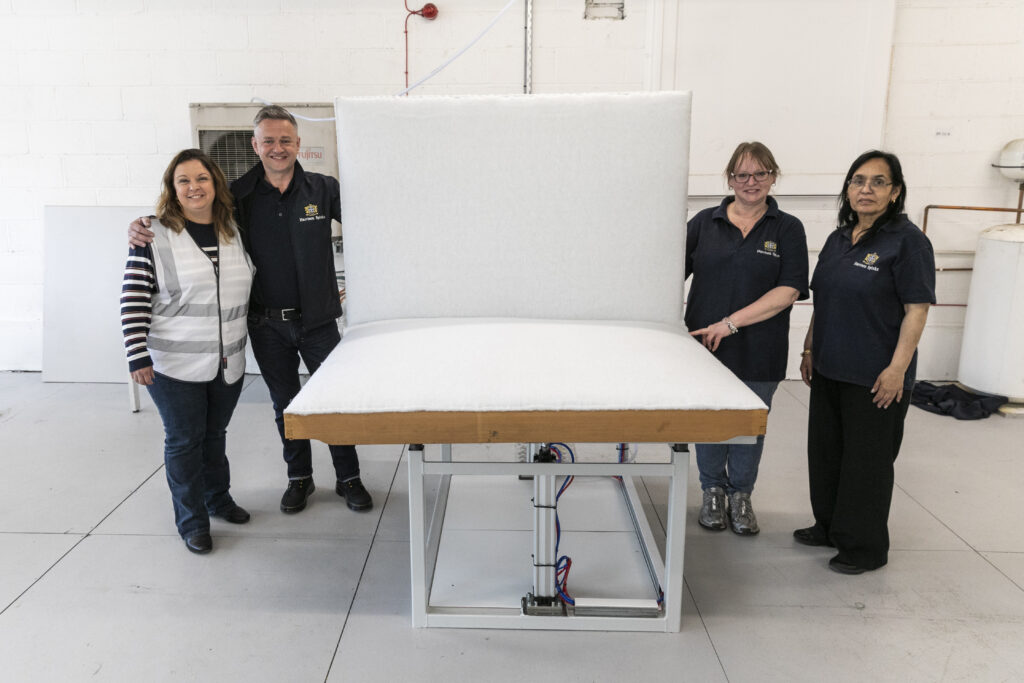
x,y
224,131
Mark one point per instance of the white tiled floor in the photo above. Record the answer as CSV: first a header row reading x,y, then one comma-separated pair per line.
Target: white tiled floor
x,y
96,585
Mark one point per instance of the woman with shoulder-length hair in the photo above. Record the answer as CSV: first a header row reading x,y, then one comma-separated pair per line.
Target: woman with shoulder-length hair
x,y
183,313
748,261
873,285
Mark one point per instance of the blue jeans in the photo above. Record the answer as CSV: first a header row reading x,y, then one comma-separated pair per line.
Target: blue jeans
x,y
195,417
277,346
734,466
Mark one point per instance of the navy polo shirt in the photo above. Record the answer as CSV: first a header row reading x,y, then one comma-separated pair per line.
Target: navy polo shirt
x,y
859,294
731,271
270,245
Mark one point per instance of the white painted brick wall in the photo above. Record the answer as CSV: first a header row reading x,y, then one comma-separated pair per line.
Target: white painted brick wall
x,y
95,98
955,98
92,170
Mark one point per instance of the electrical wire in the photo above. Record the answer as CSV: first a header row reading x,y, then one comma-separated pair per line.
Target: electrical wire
x,y
430,75
572,456
260,100
460,52
562,568
563,563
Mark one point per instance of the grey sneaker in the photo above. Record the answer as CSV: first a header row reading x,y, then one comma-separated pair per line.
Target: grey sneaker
x,y
712,510
741,514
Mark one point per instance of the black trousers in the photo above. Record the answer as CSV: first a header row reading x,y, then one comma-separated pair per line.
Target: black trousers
x,y
277,346
851,447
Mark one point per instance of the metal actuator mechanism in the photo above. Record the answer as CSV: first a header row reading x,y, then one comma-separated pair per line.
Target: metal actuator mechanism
x,y
544,600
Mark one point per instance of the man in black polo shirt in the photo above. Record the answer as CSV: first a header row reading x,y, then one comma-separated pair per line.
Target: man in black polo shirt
x,y
284,215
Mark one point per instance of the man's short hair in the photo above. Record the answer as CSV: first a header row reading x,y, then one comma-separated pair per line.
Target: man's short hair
x,y
273,111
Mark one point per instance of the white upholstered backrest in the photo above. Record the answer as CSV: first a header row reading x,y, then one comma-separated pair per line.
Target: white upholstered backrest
x,y
535,206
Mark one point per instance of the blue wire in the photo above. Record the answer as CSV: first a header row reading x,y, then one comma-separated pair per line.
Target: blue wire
x,y
560,586
572,457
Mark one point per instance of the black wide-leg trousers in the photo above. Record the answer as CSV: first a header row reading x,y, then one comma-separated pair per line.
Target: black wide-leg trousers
x,y
851,447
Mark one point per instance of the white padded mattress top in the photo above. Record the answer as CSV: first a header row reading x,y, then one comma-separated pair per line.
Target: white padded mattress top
x,y
496,364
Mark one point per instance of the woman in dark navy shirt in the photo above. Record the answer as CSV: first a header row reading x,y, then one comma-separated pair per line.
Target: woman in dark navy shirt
x,y
749,264
873,284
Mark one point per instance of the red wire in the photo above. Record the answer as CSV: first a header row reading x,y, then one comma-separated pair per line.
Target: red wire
x,y
562,577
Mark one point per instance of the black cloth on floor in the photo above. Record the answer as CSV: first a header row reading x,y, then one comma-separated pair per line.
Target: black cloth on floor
x,y
949,399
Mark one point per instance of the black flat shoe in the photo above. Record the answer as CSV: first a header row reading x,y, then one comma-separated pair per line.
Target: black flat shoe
x,y
235,514
837,565
812,535
200,543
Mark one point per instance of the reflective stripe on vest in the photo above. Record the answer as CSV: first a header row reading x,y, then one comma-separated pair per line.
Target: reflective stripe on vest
x,y
192,334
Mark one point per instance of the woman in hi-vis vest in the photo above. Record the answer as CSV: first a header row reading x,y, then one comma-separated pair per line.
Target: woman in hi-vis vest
x,y
183,312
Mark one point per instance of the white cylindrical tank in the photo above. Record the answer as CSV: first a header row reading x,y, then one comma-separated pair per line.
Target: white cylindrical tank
x,y
992,353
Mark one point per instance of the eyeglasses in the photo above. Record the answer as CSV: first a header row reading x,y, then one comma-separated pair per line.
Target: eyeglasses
x,y
759,176
876,183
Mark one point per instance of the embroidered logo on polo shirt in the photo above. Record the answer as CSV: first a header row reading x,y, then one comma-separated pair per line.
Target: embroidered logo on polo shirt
x,y
769,248
312,213
868,262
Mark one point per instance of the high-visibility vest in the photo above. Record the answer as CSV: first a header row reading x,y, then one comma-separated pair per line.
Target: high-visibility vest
x,y
199,319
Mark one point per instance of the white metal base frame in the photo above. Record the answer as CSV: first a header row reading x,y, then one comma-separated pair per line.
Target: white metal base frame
x,y
425,536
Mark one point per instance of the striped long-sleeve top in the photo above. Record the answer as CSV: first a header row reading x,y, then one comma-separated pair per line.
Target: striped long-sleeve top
x,y
137,306
138,288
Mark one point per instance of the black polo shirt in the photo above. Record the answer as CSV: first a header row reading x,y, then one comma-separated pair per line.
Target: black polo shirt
x,y
730,272
270,245
859,294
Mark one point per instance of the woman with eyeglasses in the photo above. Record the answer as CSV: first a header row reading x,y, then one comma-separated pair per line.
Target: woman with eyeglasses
x,y
748,260
873,284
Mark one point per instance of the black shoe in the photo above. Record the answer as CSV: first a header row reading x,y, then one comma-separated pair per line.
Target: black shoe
x,y
812,535
200,543
837,565
235,514
355,494
298,492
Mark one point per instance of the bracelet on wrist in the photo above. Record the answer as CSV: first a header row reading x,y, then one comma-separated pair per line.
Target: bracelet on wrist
x,y
805,352
732,327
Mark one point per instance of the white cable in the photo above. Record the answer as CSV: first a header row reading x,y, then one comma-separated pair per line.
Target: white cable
x,y
298,116
459,53
528,50
425,78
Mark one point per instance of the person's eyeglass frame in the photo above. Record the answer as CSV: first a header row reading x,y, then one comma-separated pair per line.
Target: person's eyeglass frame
x,y
744,178
876,183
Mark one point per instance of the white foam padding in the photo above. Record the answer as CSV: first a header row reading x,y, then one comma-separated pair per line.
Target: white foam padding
x,y
512,365
532,206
